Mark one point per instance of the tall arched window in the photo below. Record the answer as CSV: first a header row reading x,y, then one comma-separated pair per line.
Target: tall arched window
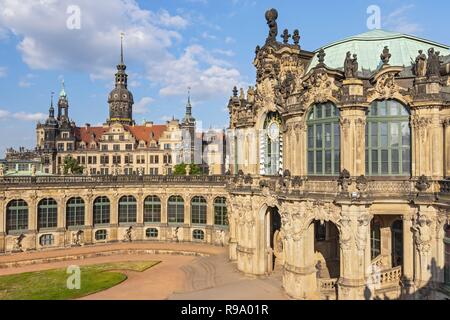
x,y
127,209
152,209
17,216
75,212
102,210
271,146
323,140
375,238
388,139
47,214
220,212
198,210
447,254
175,209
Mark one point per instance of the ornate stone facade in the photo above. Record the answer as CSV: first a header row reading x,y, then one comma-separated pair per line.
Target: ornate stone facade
x,y
369,233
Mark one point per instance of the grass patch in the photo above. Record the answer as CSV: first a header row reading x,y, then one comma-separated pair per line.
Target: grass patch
x,y
52,284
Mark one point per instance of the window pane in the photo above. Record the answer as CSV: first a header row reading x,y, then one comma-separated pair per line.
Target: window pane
x,y
395,139
395,162
311,162
328,168
319,169
310,137
319,136
383,135
328,136
384,161
374,141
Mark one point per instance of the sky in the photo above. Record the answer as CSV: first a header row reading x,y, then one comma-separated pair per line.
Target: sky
x,y
170,46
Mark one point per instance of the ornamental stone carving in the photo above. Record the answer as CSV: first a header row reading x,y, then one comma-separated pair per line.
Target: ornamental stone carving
x,y
385,87
319,88
423,233
363,231
421,125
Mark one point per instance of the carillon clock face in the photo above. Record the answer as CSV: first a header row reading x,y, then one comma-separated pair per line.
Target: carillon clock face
x,y
274,131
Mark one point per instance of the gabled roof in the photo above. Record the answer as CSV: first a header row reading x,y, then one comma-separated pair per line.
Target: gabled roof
x,y
369,45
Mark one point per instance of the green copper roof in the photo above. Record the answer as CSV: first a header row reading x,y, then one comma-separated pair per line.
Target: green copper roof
x,y
369,45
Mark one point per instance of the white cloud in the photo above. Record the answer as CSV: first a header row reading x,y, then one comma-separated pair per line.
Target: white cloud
x,y
3,72
207,36
25,81
399,21
23,116
152,43
228,53
229,40
141,107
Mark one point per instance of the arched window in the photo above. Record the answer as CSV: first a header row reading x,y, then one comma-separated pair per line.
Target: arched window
x,y
220,212
388,139
75,212
127,209
447,254
175,209
16,216
47,214
271,146
102,210
198,210
324,140
152,209
375,238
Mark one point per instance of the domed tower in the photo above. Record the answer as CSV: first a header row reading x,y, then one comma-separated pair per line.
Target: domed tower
x,y
63,105
50,129
120,100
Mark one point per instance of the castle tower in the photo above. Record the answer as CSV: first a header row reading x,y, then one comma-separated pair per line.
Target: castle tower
x,y
120,99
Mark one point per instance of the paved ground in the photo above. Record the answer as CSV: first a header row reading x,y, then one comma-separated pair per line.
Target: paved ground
x,y
177,277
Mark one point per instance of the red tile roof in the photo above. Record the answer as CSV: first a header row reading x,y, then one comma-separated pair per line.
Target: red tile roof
x,y
147,134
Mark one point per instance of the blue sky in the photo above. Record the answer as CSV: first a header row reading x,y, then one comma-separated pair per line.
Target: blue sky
x,y
169,46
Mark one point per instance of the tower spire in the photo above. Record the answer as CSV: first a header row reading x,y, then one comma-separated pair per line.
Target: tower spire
x,y
51,111
189,105
63,89
122,35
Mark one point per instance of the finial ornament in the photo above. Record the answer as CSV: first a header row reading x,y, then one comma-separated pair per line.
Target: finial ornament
x,y
296,37
271,17
285,36
321,56
235,91
420,66
385,56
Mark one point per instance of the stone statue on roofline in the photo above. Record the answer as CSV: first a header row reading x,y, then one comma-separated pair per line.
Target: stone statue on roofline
x,y
351,65
385,56
433,63
420,66
271,17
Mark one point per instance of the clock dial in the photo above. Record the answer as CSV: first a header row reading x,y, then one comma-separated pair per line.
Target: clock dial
x,y
274,131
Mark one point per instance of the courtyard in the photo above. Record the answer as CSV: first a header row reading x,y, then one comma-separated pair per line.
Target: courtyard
x,y
144,271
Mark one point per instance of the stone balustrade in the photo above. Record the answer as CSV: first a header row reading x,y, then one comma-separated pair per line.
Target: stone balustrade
x,y
327,284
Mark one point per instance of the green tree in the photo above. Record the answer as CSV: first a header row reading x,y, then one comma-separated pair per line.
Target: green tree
x,y
180,169
71,166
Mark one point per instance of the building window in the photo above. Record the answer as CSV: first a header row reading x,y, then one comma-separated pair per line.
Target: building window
x,y
69,146
175,209
102,210
375,239
166,146
17,216
156,159
104,160
104,147
116,147
47,240
129,147
271,146
116,159
320,231
127,209
151,233
388,139
101,235
198,210
220,212
47,214
198,234
323,140
75,212
152,209
104,171
60,146
447,254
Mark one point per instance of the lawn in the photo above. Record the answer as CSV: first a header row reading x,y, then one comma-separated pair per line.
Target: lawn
x,y
52,284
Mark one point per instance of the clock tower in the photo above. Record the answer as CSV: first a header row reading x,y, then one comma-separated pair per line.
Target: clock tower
x,y
120,99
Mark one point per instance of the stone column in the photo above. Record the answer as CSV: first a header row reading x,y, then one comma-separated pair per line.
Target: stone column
x,y
408,256
114,218
447,147
165,230
353,126
233,224
300,280
88,218
437,153
32,221
210,220
3,224
187,218
355,253
424,262
61,223
138,232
